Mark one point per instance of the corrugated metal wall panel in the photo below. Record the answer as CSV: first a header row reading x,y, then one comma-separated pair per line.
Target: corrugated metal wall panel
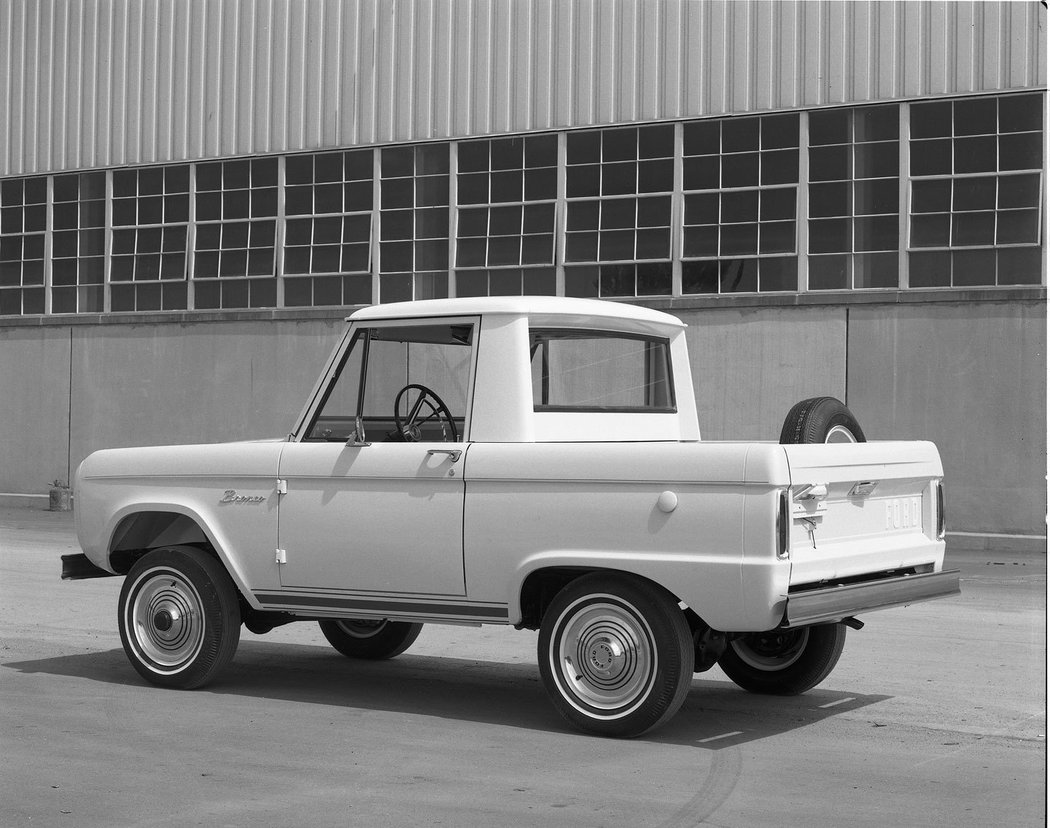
x,y
92,84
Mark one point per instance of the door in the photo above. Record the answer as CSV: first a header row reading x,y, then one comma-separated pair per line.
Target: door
x,y
374,483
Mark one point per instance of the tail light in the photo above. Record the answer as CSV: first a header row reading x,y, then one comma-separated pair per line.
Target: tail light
x,y
942,519
783,524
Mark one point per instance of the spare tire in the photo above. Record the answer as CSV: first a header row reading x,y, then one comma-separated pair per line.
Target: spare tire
x,y
821,420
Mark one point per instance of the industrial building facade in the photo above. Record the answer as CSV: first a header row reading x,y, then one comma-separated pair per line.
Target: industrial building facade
x,y
841,198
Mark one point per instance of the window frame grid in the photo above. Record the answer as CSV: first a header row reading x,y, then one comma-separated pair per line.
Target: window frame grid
x,y
720,258
288,278
908,249
520,267
113,229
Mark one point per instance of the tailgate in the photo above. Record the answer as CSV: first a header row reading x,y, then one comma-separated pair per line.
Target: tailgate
x,y
858,509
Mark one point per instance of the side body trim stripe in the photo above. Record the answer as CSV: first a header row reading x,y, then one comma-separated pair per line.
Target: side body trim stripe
x,y
471,610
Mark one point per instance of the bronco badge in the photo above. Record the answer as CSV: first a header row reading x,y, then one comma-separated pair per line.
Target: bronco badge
x,y
231,496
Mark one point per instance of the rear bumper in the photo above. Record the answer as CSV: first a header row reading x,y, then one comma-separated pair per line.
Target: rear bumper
x,y
837,602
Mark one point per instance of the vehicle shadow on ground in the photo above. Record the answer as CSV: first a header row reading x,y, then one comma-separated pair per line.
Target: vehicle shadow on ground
x,y
716,714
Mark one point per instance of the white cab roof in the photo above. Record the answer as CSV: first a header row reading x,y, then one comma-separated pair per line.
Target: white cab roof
x,y
515,306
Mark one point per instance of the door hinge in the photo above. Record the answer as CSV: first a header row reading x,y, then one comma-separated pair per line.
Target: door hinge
x,y
282,556
282,486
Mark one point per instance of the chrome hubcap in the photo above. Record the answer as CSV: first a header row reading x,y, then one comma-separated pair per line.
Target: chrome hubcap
x,y
166,622
361,628
604,656
772,651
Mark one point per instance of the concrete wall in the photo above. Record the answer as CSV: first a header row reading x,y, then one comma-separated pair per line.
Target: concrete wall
x,y
971,376
973,380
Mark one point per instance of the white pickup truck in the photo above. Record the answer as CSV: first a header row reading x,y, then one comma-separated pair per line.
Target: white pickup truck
x,y
531,461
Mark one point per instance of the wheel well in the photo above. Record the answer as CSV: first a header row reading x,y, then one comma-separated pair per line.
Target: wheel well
x,y
541,586
138,533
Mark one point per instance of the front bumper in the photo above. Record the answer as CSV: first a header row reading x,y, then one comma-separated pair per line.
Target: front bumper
x,y
834,603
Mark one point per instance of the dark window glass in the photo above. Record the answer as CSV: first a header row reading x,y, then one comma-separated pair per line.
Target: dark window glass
x,y
1018,191
778,204
740,207
830,235
931,157
1019,266
975,117
1017,227
656,141
701,173
970,229
777,237
830,163
875,160
541,151
583,147
829,127
829,272
506,154
930,269
975,154
877,123
702,208
875,197
930,230
740,134
973,268
473,156
931,120
1021,152
778,274
780,131
619,144
701,241
740,170
700,277
702,138
974,193
931,196
875,233
738,276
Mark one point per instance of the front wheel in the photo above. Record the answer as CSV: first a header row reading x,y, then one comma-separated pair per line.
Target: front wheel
x,y
615,654
360,638
784,662
179,617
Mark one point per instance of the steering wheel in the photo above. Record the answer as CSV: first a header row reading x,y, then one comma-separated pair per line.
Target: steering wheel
x,y
408,428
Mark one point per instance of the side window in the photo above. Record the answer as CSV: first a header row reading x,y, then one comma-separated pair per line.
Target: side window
x,y
434,357
579,370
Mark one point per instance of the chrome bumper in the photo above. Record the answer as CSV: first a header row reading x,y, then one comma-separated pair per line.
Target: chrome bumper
x,y
837,602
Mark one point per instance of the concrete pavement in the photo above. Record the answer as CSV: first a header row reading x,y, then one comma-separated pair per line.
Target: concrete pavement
x,y
935,716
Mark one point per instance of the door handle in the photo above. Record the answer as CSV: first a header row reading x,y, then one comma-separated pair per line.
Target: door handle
x,y
453,454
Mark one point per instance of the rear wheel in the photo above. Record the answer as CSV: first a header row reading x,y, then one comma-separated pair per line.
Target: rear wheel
x,y
374,639
615,654
784,662
179,617
821,420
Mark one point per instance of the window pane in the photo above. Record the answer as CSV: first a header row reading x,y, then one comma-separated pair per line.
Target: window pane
x,y
974,193
931,230
738,276
1017,227
931,196
1021,152
933,269
931,120
1019,191
973,268
700,277
740,170
875,233
875,197
975,154
740,134
829,272
975,117
830,163
970,229
877,123
875,270
777,274
829,127
830,235
1019,266
778,237
876,160
1020,113
931,157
